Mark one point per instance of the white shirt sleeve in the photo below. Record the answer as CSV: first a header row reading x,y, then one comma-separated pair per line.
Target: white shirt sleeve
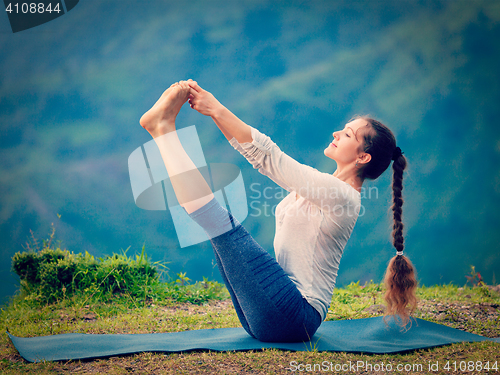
x,y
322,189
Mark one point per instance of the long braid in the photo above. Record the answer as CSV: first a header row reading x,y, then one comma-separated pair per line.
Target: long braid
x,y
400,277
398,167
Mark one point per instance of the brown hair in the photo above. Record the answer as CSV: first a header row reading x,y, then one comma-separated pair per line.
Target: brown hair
x,y
400,279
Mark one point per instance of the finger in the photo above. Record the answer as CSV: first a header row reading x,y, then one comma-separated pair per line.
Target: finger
x,y
194,85
193,92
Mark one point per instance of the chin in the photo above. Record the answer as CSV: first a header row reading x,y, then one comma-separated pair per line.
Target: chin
x,y
328,154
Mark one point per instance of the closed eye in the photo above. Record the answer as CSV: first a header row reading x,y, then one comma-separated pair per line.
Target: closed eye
x,y
349,128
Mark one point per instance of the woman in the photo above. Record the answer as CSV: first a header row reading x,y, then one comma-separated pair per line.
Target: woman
x,y
285,300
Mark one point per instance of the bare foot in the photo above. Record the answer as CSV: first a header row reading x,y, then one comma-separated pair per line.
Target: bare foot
x,y
160,119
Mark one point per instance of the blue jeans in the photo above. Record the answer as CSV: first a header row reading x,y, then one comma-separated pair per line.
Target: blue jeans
x,y
269,305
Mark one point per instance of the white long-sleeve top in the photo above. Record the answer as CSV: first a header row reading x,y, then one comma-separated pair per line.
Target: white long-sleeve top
x,y
313,223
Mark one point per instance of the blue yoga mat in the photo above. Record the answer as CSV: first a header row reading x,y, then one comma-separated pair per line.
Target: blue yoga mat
x,y
369,335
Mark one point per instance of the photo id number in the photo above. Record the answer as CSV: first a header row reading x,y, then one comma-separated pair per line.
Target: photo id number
x,y
32,8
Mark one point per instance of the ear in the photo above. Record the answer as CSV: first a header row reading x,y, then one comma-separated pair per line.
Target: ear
x,y
364,158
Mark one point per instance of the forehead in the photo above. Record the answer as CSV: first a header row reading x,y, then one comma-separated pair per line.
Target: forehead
x,y
356,124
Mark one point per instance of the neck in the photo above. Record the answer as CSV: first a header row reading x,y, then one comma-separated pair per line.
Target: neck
x,y
350,176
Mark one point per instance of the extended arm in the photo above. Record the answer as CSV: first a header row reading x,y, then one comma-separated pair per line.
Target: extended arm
x,y
323,189
230,125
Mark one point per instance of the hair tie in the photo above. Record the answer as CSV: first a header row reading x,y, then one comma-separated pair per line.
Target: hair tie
x,y
396,153
399,252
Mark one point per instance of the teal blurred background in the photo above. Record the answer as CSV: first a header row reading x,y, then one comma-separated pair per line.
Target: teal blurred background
x,y
72,92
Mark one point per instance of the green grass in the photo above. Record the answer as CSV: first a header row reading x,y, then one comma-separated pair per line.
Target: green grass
x,y
63,292
122,314
50,275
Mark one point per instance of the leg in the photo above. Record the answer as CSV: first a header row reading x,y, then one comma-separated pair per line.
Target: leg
x,y
236,303
191,189
269,305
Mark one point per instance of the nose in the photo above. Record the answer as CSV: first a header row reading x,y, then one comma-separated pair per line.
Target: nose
x,y
335,135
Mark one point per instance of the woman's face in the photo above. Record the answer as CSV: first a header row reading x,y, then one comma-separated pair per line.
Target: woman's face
x,y
348,143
